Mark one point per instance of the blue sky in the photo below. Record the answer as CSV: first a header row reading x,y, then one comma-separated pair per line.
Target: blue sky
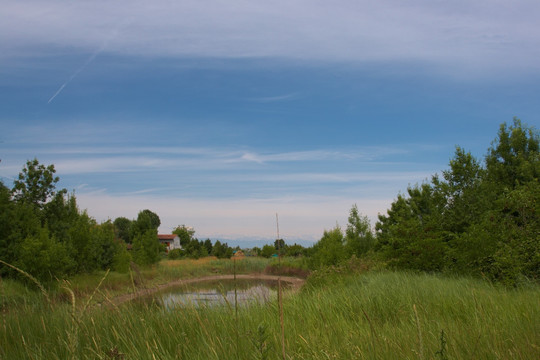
x,y
220,114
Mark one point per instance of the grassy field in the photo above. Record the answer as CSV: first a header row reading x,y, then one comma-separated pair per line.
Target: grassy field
x,y
14,294
367,315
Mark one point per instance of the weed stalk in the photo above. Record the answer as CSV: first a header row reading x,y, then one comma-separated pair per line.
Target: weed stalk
x,y
420,342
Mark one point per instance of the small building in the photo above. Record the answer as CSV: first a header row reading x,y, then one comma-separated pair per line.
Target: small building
x,y
171,241
239,254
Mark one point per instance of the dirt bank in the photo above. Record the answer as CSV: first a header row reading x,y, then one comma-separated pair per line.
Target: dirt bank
x,y
295,284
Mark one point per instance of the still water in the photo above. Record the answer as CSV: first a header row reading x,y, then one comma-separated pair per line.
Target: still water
x,y
218,293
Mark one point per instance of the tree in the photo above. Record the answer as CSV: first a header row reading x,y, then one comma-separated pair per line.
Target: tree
x,y
59,214
122,258
294,250
222,250
358,236
268,250
411,235
329,250
146,248
186,234
513,158
122,227
255,251
279,244
208,246
36,183
44,257
146,220
10,237
463,196
475,220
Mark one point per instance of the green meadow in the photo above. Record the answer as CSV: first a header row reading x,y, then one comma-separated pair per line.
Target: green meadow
x,y
340,313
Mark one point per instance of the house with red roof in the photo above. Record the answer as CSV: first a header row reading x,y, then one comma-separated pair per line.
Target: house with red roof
x,y
172,241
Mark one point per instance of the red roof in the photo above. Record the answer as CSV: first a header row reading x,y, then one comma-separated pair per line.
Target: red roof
x,y
166,236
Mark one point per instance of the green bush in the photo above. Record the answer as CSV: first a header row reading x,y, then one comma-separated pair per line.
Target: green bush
x,y
175,254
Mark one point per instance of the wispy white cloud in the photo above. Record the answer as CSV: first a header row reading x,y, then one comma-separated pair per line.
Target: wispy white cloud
x,y
277,98
459,34
84,160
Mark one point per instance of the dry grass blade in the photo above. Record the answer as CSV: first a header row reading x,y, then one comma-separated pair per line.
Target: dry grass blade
x,y
33,279
95,290
420,342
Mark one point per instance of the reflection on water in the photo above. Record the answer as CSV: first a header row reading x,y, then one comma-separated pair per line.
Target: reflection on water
x,y
218,293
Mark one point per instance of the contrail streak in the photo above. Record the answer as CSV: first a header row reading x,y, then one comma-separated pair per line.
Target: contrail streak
x,y
57,92
90,59
87,62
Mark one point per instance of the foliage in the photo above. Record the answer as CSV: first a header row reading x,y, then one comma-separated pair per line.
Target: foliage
x,y
44,257
122,227
35,184
478,220
279,244
295,250
194,248
122,258
358,237
146,248
329,250
146,220
222,250
267,251
46,235
185,234
514,157
175,254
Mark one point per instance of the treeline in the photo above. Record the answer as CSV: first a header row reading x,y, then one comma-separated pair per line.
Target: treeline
x,y
194,248
44,233
479,218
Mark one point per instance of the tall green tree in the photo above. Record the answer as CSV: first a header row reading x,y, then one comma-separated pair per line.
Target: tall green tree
x,y
475,219
411,234
208,245
146,220
43,231
513,158
36,183
358,236
268,250
146,248
44,257
122,227
329,250
464,198
279,244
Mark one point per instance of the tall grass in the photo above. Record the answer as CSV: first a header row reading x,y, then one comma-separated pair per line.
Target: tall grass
x,y
14,294
378,315
179,269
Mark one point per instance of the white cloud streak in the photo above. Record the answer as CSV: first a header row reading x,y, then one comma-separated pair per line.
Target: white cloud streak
x,y
228,192
277,98
457,34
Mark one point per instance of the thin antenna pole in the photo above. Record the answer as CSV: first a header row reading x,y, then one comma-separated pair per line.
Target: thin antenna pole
x,y
280,292
277,225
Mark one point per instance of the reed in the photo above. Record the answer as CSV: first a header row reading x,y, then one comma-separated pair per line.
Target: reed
x,y
374,315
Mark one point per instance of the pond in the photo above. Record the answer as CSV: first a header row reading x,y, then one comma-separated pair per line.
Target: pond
x,y
218,293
